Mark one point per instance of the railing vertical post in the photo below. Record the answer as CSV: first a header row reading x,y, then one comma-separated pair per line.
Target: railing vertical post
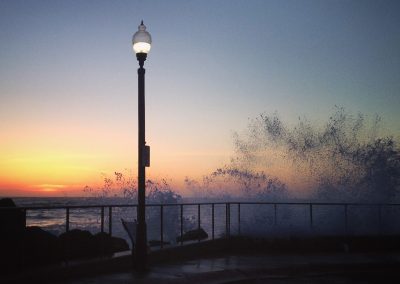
x,y
67,220
380,219
275,215
181,224
25,213
212,220
162,225
110,221
345,220
66,247
102,219
311,216
198,220
239,219
22,242
227,219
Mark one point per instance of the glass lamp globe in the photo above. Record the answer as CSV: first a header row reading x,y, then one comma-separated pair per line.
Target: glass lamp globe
x,y
141,40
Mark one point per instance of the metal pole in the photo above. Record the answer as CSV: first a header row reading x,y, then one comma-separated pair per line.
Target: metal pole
x,y
226,220
212,220
102,219
66,245
229,219
141,236
181,224
162,225
198,220
67,220
22,242
345,220
110,221
239,219
25,213
380,219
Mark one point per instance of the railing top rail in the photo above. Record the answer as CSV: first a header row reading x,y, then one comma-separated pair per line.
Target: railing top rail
x,y
67,206
197,203
319,203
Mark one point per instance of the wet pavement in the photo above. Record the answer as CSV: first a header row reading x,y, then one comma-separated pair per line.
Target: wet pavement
x,y
286,268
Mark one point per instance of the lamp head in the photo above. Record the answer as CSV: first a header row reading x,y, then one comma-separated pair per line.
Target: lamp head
x,y
141,40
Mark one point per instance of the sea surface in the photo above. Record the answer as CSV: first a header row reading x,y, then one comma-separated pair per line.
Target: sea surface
x,y
54,220
259,220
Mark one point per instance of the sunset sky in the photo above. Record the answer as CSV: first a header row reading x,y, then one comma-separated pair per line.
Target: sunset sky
x,y
68,81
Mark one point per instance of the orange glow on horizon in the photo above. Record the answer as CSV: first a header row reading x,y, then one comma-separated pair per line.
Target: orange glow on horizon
x,y
59,173
48,170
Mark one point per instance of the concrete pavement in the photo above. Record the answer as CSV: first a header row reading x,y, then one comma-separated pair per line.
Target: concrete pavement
x,y
286,268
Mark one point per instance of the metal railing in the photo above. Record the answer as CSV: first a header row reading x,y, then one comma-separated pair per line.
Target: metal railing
x,y
239,207
222,219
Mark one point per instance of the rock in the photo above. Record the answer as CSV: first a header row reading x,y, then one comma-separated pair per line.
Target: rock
x,y
77,244
104,244
119,244
157,243
40,247
82,244
198,234
12,222
12,227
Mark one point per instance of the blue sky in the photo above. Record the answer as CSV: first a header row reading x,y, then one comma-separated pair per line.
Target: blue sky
x,y
68,75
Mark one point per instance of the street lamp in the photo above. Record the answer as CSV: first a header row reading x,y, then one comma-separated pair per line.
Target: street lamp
x,y
141,42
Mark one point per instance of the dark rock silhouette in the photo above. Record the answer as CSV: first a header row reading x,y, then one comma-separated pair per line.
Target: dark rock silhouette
x,y
77,243
109,245
81,244
12,222
41,247
22,246
12,227
198,234
157,243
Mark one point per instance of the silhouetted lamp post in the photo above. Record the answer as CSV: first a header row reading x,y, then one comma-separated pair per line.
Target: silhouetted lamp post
x,y
141,42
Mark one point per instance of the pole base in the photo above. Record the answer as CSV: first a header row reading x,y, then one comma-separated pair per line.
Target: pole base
x,y
140,254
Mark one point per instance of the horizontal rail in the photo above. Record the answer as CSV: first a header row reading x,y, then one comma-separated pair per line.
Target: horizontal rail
x,y
196,204
66,206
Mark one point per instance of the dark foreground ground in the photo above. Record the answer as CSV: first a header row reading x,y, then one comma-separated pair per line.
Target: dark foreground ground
x,y
354,268
241,260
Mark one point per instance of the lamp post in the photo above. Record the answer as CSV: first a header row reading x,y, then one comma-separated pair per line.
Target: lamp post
x,y
141,42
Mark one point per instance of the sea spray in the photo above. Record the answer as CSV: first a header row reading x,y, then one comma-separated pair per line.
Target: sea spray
x,y
345,160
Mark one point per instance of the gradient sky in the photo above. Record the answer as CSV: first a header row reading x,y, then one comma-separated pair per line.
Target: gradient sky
x,y
68,81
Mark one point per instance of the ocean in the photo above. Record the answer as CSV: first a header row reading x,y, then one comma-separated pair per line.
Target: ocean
x,y
54,220
249,219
